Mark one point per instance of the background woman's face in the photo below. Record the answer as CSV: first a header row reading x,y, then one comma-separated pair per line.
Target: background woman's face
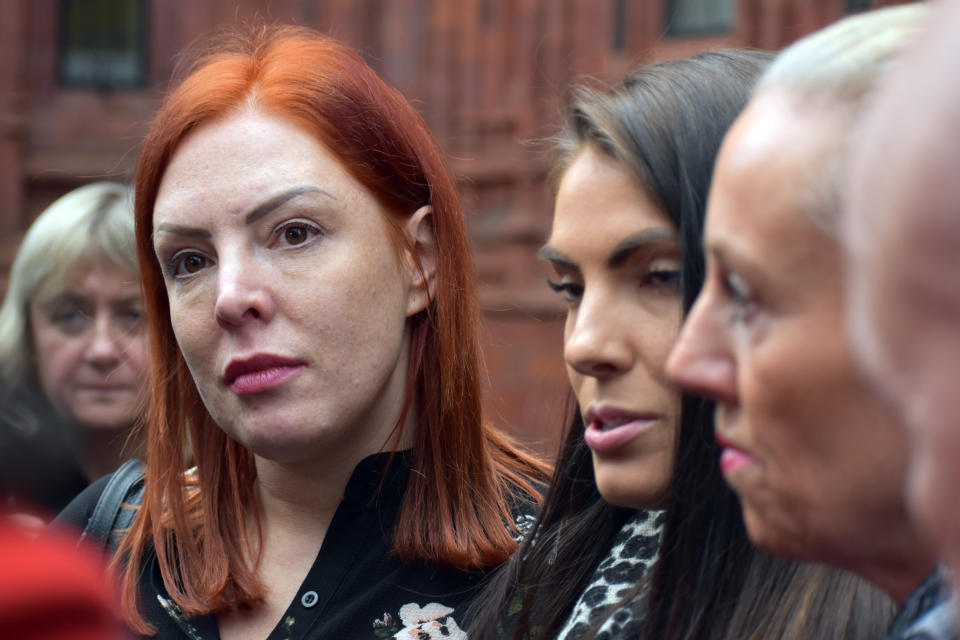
x,y
91,352
286,296
818,464
617,260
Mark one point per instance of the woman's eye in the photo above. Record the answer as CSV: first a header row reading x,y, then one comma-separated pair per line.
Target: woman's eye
x,y
571,291
663,278
70,320
296,233
739,292
129,319
186,264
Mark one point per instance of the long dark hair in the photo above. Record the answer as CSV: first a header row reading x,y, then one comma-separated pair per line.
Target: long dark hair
x,y
664,123
532,594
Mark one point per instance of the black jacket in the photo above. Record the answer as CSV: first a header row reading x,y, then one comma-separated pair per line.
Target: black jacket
x,y
354,589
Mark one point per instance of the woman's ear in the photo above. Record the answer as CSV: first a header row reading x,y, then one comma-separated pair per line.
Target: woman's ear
x,y
423,262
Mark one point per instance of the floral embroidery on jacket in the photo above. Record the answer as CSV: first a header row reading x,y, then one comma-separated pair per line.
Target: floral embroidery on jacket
x,y
430,622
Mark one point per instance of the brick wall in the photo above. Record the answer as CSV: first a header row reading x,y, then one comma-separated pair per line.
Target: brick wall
x,y
489,77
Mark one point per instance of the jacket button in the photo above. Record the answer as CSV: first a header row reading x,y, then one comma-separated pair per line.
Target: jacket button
x,y
309,599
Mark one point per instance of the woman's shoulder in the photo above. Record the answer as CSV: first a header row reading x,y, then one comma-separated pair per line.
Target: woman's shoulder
x,y
106,505
77,513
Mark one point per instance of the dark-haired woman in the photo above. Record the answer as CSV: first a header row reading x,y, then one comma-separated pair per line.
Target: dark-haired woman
x,y
310,306
632,176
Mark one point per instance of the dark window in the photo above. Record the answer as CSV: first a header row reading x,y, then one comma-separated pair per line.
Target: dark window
x,y
619,35
855,6
102,43
696,17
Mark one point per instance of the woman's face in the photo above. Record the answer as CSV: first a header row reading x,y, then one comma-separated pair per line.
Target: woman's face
x,y
617,260
287,297
818,464
91,354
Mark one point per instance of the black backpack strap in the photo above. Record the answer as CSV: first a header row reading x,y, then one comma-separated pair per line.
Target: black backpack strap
x,y
109,517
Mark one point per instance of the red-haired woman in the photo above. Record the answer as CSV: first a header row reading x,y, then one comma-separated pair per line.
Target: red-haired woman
x,y
310,299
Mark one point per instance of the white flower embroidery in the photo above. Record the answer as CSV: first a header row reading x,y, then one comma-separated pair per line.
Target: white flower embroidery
x,y
429,622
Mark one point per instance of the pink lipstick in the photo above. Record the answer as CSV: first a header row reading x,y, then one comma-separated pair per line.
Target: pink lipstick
x,y
608,429
260,372
732,458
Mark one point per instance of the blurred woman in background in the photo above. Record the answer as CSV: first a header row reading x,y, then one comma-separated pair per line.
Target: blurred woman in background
x,y
73,356
818,461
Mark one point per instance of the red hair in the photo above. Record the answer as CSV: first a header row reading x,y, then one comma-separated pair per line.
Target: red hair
x,y
456,511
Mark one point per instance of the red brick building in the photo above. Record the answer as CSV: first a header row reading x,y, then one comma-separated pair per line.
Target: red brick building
x,y
80,79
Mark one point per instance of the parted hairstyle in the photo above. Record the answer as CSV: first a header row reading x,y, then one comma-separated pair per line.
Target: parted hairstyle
x,y
664,123
456,510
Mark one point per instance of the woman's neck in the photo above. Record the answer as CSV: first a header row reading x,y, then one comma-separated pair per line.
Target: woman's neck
x,y
298,494
903,565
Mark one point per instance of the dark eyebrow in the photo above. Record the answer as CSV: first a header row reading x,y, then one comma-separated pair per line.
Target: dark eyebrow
x,y
550,254
182,230
279,200
258,212
622,252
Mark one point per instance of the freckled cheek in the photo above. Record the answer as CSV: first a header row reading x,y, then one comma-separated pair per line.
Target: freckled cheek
x,y
353,312
193,321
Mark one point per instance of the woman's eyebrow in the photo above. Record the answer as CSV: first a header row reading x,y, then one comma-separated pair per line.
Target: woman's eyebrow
x,y
64,297
281,199
182,230
622,252
550,254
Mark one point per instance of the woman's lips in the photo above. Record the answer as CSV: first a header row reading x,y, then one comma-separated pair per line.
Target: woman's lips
x,y
731,457
607,431
260,372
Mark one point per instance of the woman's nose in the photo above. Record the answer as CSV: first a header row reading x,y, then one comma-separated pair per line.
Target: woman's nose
x,y
106,342
242,294
700,361
596,345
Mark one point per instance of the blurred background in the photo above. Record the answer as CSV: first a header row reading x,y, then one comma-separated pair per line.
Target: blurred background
x,y
80,80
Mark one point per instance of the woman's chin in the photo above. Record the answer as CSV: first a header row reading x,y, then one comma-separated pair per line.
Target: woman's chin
x,y
786,542
633,493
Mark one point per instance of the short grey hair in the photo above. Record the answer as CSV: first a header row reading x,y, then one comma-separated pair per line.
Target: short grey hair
x,y
836,72
91,224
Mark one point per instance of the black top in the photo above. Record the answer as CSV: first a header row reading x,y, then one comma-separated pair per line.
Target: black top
x,y
39,471
354,589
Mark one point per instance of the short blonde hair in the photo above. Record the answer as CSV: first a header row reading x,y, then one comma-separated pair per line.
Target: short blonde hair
x,y
835,72
91,224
